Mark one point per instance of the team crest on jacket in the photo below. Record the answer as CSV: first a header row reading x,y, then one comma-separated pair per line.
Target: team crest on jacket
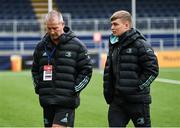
x,y
149,50
129,50
68,54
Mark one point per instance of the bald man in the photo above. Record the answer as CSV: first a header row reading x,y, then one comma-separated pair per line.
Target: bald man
x,y
61,69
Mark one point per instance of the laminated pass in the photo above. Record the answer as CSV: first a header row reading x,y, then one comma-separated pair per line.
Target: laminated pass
x,y
47,73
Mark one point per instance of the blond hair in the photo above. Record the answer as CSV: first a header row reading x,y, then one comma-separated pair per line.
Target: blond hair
x,y
123,15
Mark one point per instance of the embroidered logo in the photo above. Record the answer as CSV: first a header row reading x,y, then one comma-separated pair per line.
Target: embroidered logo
x,y
68,54
44,54
129,50
87,55
140,121
64,120
148,50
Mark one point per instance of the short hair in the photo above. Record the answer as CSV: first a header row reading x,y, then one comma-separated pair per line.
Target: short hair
x,y
123,15
50,15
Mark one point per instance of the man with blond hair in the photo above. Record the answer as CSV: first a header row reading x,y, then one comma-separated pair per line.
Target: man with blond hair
x,y
61,70
130,68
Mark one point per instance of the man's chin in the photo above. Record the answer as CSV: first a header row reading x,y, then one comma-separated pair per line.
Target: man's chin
x,y
54,38
115,34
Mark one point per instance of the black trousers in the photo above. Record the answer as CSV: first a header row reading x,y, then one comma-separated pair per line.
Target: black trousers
x,y
120,115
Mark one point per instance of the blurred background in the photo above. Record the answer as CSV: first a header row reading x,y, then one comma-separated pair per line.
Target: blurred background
x,y
22,26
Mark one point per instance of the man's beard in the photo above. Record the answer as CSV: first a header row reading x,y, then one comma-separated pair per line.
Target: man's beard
x,y
55,39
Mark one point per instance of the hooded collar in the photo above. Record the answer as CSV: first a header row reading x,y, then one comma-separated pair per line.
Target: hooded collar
x,y
63,38
127,37
67,35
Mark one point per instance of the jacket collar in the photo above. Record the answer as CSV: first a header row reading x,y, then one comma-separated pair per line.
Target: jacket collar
x,y
63,38
126,38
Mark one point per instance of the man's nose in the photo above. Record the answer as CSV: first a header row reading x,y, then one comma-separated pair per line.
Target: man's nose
x,y
112,26
51,31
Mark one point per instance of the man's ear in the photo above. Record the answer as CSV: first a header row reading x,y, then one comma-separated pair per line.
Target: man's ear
x,y
127,24
63,24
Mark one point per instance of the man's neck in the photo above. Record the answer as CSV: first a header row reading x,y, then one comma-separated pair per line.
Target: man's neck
x,y
56,42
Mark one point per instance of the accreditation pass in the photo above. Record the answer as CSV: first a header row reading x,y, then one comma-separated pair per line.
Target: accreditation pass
x,y
47,73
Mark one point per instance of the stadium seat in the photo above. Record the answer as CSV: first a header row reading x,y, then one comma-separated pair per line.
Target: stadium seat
x,y
101,9
16,9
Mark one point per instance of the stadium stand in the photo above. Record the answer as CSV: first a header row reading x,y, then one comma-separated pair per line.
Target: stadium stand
x,y
103,9
16,9
23,9
87,10
21,29
82,9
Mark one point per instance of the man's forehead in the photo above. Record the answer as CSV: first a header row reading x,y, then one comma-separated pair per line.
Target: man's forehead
x,y
53,22
116,21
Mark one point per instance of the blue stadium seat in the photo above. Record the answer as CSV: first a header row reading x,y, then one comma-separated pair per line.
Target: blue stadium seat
x,y
16,9
102,9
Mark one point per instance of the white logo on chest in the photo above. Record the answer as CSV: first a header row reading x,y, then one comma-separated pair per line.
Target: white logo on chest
x,y
44,54
129,50
68,54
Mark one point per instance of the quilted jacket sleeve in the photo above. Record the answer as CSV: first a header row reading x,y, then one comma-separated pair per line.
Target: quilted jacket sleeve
x,y
84,67
149,62
35,70
108,81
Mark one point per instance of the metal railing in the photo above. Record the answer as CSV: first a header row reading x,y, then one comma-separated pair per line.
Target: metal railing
x,y
13,32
